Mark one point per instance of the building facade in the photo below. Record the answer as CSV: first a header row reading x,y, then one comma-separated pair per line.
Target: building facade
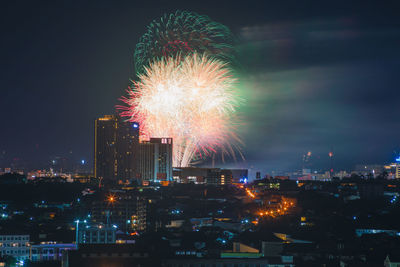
x,y
115,148
97,234
16,246
211,176
155,160
186,175
219,177
49,251
127,212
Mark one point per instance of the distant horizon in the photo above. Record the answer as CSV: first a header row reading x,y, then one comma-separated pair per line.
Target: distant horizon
x,y
88,165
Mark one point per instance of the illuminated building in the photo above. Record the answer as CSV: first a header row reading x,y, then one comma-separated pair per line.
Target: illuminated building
x,y
16,246
32,175
219,177
96,234
213,176
240,175
368,170
190,175
392,170
115,148
155,160
342,174
49,251
397,170
126,212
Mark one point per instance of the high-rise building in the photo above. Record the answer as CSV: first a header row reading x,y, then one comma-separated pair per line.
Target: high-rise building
x,y
115,148
398,171
155,160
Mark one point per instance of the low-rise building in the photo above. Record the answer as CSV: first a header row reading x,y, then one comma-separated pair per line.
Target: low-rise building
x,y
49,251
392,260
15,245
97,234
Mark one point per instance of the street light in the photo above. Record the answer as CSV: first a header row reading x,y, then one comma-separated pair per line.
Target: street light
x,y
111,199
76,233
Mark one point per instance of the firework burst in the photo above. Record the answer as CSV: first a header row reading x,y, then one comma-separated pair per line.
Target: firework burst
x,y
183,33
189,98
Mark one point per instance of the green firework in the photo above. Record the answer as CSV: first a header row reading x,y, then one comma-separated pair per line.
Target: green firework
x,y
182,33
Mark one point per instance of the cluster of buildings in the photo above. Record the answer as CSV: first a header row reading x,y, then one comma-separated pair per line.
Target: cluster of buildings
x,y
20,248
120,155
387,171
200,221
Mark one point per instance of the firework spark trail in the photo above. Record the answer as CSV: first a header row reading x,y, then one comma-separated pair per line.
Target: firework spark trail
x,y
189,98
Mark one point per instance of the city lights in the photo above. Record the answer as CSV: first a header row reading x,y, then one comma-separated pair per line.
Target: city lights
x,y
249,193
144,134
280,208
111,199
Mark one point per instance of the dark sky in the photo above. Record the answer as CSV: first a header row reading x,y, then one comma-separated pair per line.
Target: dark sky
x,y
315,75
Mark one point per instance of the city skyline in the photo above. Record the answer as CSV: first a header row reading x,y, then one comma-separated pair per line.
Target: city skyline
x,y
312,79
200,133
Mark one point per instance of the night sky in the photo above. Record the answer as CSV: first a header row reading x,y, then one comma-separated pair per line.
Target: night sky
x,y
314,75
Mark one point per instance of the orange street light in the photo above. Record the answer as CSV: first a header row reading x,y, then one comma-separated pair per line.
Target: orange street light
x,y
111,199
